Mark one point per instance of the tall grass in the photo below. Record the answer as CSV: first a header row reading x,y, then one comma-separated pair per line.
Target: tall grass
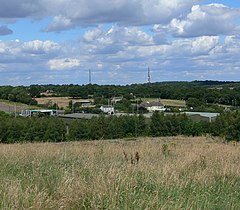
x,y
171,173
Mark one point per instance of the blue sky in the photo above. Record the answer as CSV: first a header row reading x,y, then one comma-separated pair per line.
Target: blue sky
x,y
57,42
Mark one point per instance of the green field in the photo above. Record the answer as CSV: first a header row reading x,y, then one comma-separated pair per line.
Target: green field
x,y
168,102
172,173
174,103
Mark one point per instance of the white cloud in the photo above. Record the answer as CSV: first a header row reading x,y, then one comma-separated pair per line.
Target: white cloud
x,y
187,41
60,23
91,36
40,47
232,43
18,52
100,65
115,40
71,13
182,59
206,20
135,12
203,45
63,63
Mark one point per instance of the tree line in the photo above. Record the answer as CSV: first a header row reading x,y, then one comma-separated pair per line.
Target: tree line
x,y
51,129
195,93
17,94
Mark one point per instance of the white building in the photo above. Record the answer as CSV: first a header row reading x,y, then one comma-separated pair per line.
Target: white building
x,y
107,109
35,112
153,106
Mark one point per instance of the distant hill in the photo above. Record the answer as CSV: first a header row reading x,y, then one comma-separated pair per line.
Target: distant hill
x,y
214,83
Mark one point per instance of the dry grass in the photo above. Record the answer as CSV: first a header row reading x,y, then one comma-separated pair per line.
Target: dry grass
x,y
161,173
61,101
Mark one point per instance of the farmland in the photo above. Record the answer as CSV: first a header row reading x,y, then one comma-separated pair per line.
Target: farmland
x,y
61,101
172,173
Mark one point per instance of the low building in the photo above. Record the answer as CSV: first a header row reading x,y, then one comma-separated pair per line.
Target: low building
x,y
153,106
114,100
109,109
83,102
78,116
202,116
38,112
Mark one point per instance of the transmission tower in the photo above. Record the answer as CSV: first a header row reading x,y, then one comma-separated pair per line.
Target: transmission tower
x,y
149,75
90,76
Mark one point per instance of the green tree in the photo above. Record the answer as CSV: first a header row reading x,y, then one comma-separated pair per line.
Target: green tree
x,y
79,130
142,126
34,91
55,131
158,126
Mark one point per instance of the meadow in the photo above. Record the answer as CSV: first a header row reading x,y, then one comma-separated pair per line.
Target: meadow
x,y
145,173
167,102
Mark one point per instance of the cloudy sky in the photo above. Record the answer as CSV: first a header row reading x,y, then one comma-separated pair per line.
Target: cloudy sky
x,y
58,41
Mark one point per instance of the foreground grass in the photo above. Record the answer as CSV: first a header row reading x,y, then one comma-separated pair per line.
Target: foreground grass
x,y
172,173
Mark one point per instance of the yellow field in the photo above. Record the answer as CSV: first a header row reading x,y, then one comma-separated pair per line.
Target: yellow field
x,y
172,173
61,101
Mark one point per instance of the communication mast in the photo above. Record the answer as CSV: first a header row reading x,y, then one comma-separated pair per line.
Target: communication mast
x,y
90,76
149,76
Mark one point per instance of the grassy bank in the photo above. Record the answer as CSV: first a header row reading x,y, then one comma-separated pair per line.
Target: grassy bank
x,y
11,107
172,173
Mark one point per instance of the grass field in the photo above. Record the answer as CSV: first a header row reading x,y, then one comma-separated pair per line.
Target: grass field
x,y
175,103
172,173
168,102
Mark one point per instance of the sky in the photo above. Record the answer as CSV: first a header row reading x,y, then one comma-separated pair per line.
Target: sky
x,y
58,41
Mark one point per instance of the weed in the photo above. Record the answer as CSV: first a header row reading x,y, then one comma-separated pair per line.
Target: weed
x,y
203,163
165,150
137,157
